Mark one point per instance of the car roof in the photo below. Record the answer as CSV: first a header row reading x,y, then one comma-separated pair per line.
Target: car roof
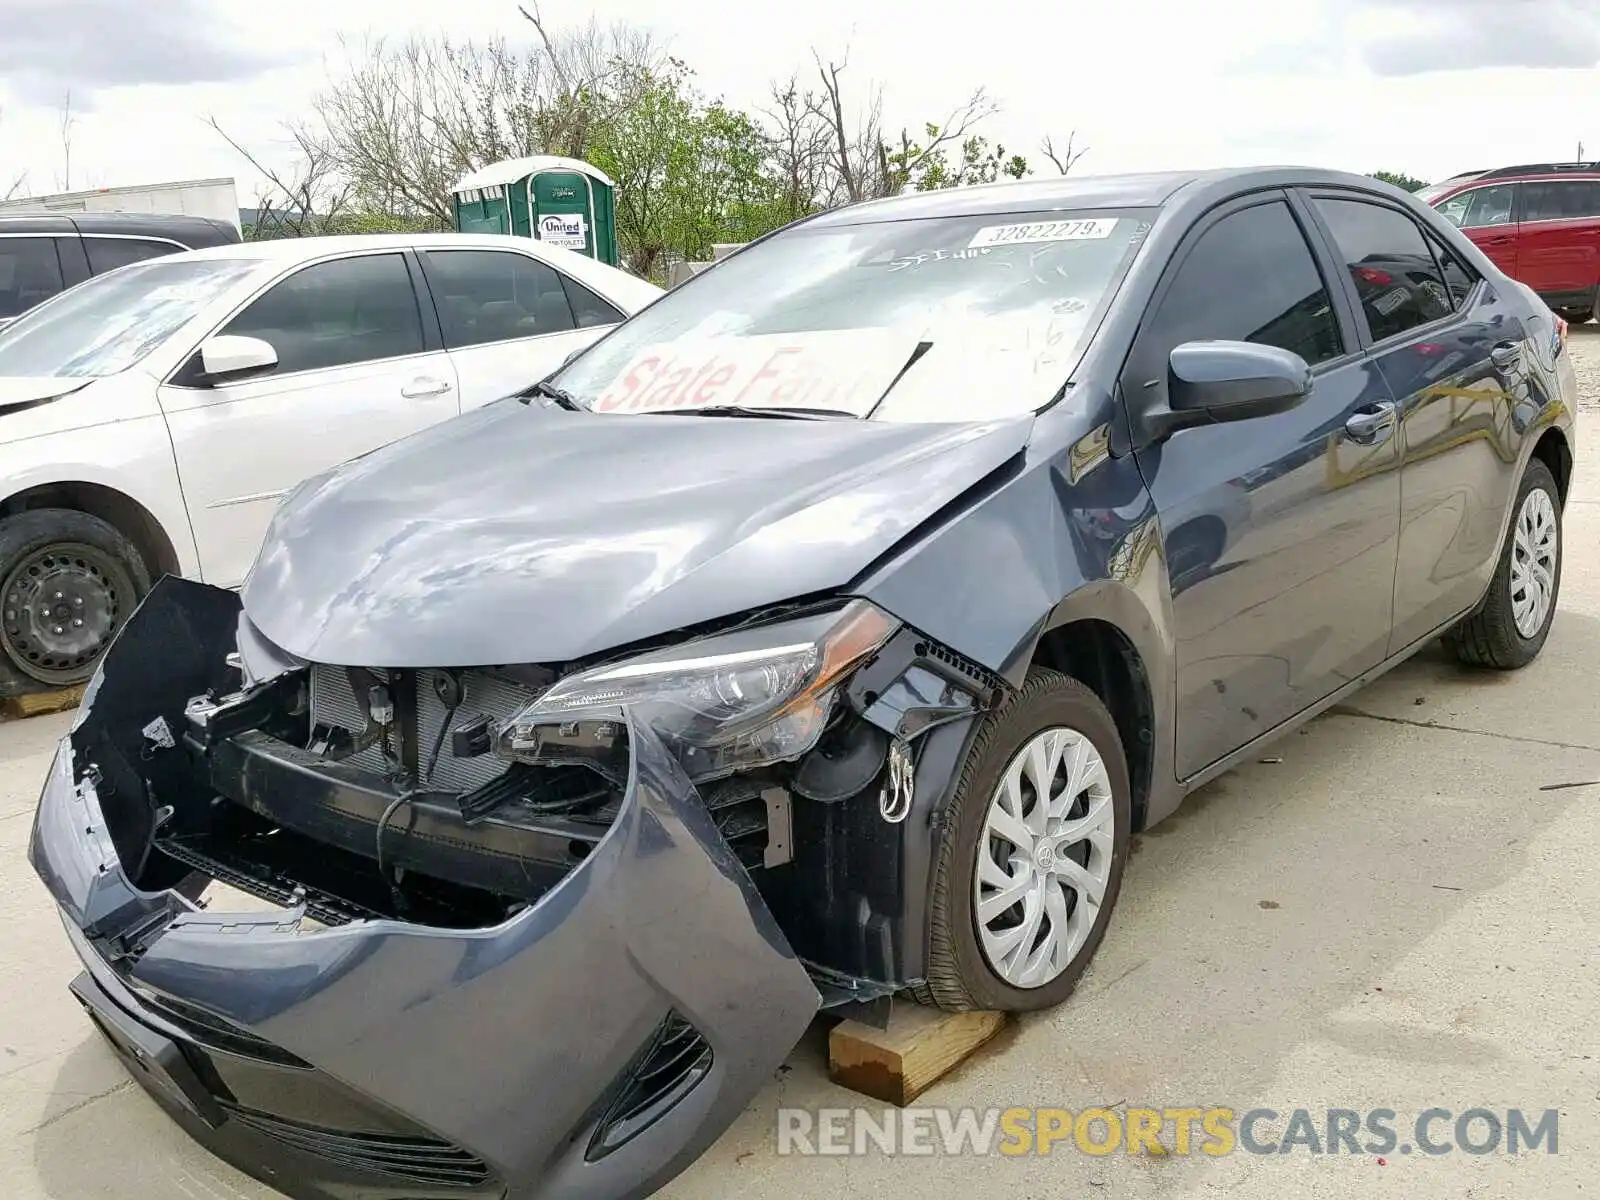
x,y
294,249
281,253
1581,171
297,249
1149,190
190,230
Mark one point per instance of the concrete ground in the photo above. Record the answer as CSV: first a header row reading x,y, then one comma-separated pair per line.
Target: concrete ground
x,y
1397,914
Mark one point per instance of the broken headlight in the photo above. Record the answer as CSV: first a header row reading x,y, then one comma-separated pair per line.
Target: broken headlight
x,y
725,703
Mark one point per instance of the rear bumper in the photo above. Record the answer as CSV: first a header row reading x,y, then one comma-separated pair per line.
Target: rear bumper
x,y
592,1046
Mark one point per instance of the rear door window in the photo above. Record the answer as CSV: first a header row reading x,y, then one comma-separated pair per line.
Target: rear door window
x,y
30,273
496,296
587,308
1389,261
1459,279
109,253
1481,207
337,313
1560,200
1249,278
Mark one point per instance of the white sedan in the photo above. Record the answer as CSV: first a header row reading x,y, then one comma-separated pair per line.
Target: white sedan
x,y
152,418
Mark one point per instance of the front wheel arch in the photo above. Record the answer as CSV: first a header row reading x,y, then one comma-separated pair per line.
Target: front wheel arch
x,y
1104,659
117,509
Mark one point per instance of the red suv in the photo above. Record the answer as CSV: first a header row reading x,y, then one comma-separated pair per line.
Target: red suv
x,y
1539,223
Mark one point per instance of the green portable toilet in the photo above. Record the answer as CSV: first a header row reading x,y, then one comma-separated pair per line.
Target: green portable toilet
x,y
564,202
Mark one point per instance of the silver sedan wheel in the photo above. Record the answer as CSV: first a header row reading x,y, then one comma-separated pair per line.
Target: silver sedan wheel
x,y
1044,859
1533,563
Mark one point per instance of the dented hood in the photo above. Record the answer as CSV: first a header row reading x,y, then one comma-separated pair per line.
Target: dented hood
x,y
517,534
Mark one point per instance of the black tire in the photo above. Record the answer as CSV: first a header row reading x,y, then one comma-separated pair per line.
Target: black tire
x,y
1576,316
959,977
1490,637
88,575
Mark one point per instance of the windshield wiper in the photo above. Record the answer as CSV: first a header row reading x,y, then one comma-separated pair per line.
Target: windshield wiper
x,y
741,410
551,391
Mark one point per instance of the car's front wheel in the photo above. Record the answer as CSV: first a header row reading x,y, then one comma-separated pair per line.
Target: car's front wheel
x,y
68,581
1032,859
1510,627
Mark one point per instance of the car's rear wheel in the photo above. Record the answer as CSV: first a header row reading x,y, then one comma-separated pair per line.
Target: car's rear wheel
x,y
1032,861
68,581
1511,626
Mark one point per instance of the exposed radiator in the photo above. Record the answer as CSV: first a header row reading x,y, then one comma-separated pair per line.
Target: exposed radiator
x,y
333,702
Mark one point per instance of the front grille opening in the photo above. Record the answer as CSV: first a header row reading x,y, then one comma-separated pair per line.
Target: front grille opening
x,y
282,866
297,794
416,1158
674,1060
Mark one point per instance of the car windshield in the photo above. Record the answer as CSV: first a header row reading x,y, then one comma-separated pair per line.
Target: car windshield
x,y
109,323
944,319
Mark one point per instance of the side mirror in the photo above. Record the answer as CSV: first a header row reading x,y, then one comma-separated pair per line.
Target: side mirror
x,y
228,357
1225,381
1233,381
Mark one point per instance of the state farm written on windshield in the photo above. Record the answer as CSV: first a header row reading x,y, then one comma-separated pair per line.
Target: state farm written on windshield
x,y
845,370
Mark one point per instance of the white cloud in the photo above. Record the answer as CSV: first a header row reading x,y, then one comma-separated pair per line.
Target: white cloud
x,y
1424,86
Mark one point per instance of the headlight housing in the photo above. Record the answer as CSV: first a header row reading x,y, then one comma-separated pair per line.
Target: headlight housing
x,y
725,703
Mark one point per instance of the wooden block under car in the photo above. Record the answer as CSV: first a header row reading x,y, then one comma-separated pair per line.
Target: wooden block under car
x,y
37,704
920,1046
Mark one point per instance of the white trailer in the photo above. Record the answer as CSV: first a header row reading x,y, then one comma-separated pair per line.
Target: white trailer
x,y
215,198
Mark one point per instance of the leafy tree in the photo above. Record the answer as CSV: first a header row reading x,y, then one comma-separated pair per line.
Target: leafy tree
x,y
1401,180
689,173
928,167
401,120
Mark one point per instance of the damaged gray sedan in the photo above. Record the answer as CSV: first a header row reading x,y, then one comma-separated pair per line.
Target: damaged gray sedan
x,y
822,634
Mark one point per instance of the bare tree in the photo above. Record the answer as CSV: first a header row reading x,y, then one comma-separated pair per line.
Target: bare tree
x,y
587,65
1064,160
65,122
855,144
392,126
404,120
801,151
865,163
310,199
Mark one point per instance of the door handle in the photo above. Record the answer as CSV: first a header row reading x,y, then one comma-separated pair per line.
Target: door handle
x,y
1506,355
1369,424
423,387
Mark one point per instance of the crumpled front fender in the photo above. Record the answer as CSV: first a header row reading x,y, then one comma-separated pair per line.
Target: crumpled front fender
x,y
510,1041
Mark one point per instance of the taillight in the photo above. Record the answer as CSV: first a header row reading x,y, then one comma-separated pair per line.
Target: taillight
x,y
1561,330
1374,276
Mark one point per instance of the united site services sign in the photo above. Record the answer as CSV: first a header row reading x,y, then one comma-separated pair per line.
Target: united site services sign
x,y
567,230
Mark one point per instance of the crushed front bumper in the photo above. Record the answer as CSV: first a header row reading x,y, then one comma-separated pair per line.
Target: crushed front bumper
x,y
591,1046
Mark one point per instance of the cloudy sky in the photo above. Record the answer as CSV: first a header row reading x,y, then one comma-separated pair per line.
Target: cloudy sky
x,y
1430,87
